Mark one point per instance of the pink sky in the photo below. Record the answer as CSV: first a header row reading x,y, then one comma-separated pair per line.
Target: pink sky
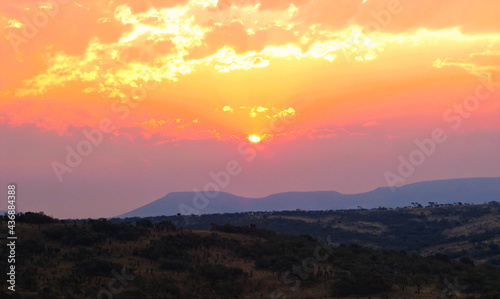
x,y
338,92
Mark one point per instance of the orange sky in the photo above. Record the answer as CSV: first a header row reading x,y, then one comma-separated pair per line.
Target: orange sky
x,y
346,81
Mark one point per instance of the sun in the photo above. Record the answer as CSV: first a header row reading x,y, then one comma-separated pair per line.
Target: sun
x,y
254,138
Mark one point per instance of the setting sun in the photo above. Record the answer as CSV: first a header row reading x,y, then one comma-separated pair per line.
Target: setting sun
x,y
254,138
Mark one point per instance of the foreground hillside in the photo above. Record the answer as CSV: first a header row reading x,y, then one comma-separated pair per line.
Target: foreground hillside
x,y
100,259
456,230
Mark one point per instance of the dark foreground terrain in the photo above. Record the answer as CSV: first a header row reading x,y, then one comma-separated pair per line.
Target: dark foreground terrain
x,y
457,230
156,259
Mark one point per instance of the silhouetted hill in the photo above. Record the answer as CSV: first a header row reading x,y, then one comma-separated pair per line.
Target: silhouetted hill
x,y
469,190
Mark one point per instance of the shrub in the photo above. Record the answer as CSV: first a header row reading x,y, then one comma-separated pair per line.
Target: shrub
x,y
95,267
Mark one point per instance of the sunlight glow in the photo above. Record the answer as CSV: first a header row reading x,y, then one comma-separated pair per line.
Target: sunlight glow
x,y
254,138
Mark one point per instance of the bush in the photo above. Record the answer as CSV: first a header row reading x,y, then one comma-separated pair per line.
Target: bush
x,y
219,272
32,246
173,265
172,246
73,235
95,267
38,218
360,283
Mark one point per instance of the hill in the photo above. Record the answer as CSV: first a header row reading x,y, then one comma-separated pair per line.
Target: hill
x,y
470,190
456,230
100,259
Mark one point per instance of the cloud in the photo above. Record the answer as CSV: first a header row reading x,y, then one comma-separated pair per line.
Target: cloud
x,y
160,42
274,55
227,109
312,133
265,112
485,65
255,110
62,118
283,113
371,123
152,124
13,23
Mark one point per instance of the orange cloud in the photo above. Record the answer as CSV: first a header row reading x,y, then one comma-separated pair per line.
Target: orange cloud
x,y
485,65
315,56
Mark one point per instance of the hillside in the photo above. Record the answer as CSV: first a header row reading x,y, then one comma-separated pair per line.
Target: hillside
x,y
469,190
98,259
456,230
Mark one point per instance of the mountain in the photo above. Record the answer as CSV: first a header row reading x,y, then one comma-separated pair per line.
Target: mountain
x,y
468,190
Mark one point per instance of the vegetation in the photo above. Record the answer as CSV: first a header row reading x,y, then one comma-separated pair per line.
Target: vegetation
x,y
153,258
458,231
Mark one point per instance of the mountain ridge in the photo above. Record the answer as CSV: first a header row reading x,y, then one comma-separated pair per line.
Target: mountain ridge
x,y
469,190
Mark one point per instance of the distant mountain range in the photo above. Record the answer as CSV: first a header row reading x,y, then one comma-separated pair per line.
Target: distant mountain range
x,y
469,190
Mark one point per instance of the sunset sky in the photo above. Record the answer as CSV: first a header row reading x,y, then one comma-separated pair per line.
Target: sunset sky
x,y
337,91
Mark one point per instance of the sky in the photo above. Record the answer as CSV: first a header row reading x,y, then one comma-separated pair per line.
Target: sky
x,y
108,105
